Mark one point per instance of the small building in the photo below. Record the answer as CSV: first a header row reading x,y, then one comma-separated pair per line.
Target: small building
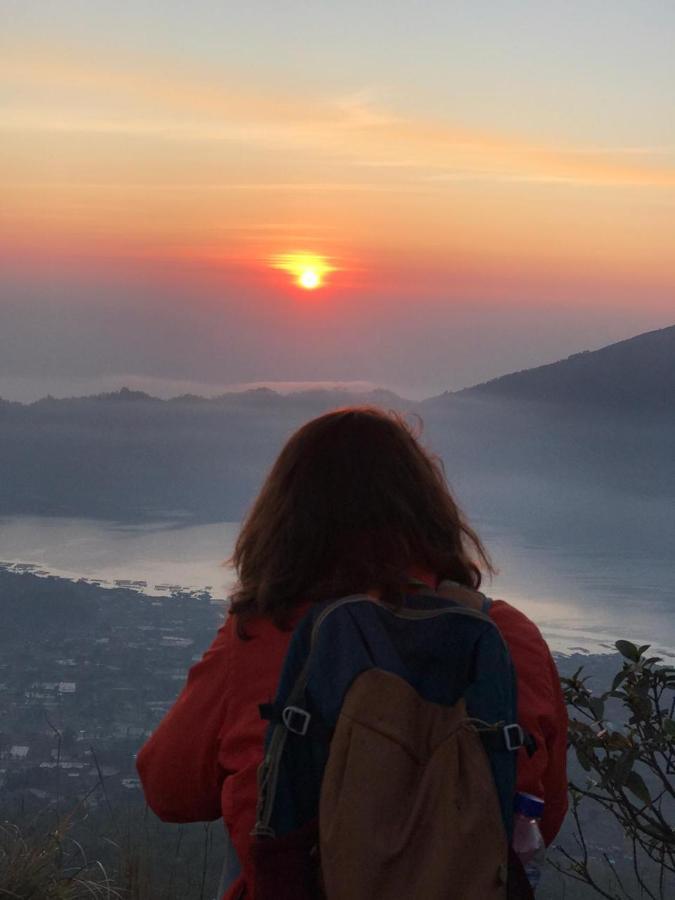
x,y
131,783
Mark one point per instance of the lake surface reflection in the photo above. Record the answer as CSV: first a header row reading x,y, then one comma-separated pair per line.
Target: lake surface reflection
x,y
580,600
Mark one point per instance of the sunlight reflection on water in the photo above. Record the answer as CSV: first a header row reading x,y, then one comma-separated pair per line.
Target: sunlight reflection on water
x,y
580,600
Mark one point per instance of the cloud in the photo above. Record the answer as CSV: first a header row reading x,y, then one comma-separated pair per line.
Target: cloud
x,y
76,97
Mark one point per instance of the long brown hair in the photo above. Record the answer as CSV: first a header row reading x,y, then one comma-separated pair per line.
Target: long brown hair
x,y
353,503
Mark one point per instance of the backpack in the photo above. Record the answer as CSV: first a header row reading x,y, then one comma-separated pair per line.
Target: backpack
x,y
389,768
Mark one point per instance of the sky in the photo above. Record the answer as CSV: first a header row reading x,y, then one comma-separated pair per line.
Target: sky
x,y
487,186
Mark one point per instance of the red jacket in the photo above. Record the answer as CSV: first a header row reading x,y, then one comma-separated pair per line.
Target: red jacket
x,y
201,762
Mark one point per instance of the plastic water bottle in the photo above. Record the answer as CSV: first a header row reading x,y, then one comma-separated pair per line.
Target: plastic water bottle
x,y
527,840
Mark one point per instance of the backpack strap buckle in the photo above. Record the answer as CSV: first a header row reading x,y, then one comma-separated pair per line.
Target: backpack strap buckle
x,y
514,736
296,720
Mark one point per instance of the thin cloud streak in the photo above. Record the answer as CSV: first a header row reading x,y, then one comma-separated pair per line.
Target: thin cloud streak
x,y
348,128
284,186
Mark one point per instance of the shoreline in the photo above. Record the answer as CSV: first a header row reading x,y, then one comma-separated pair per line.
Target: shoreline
x,y
139,586
566,658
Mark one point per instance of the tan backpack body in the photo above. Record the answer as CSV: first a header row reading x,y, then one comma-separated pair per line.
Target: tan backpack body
x,y
403,776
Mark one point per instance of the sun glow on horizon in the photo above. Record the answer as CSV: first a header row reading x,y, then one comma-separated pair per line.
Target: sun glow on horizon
x,y
309,279
308,269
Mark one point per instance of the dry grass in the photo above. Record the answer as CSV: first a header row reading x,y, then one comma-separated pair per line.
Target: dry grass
x,y
50,866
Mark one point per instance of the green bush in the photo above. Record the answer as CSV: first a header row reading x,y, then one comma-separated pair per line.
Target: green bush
x,y
629,768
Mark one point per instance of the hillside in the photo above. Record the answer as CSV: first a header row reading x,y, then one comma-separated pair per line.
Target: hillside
x,y
632,374
573,435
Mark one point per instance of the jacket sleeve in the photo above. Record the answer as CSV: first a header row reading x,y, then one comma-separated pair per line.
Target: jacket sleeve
x,y
178,765
541,711
554,776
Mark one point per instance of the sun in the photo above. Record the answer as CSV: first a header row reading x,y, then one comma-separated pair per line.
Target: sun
x,y
309,279
308,270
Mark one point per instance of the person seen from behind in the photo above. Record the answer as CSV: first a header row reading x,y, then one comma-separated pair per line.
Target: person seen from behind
x,y
354,504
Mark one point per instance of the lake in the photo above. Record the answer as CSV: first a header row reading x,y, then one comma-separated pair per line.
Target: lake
x,y
580,600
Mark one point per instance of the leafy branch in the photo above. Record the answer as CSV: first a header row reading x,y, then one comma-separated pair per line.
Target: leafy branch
x,y
629,769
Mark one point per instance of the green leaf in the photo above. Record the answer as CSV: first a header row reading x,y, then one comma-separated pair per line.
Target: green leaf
x,y
618,678
576,726
643,647
635,784
629,650
669,727
597,708
641,708
623,766
584,760
618,741
661,834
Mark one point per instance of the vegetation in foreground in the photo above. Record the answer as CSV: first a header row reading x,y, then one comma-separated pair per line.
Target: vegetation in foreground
x,y
626,770
624,745
49,866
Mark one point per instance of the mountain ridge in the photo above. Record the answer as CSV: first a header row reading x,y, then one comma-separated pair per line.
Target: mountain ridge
x,y
254,395
639,369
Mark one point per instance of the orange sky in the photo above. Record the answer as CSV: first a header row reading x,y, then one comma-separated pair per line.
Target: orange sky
x,y
177,163
160,156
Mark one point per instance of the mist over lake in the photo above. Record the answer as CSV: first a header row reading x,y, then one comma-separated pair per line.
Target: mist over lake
x,y
584,595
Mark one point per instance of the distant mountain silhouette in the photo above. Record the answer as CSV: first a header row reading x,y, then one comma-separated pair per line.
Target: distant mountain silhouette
x,y
639,371
128,455
601,420
253,398
635,373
